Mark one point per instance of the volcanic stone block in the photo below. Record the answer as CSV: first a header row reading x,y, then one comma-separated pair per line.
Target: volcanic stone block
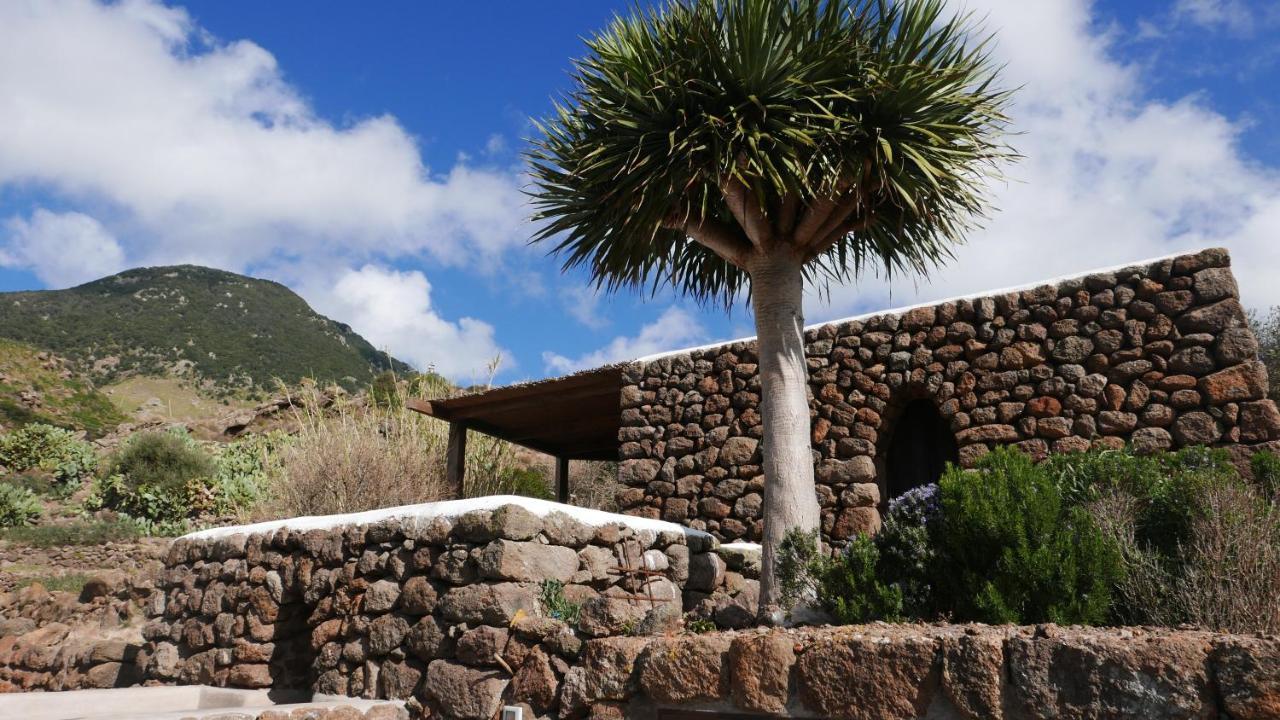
x,y
527,562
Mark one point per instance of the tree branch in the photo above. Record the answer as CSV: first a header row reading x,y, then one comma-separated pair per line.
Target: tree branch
x,y
852,224
787,213
746,210
715,236
846,208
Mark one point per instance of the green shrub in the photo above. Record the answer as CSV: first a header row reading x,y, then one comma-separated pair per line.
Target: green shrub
x,y
1266,472
554,603
1169,487
246,469
907,547
18,506
797,566
54,450
157,477
849,586
1011,550
80,532
529,482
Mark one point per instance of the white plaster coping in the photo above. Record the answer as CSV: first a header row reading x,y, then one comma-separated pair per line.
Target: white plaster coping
x,y
450,509
931,303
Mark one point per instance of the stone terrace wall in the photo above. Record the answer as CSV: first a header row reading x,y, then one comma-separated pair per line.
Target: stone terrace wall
x,y
1156,355
898,672
443,611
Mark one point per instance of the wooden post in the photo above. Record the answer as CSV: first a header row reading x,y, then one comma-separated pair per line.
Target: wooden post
x,y
562,479
456,458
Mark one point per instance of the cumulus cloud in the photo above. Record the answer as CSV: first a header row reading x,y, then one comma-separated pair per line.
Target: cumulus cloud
x,y
188,148
1109,175
213,154
62,249
1233,15
673,329
392,310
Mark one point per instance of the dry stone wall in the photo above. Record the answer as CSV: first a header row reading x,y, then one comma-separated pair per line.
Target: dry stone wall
x,y
1157,355
449,613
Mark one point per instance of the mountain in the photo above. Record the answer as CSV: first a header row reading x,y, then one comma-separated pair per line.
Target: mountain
x,y
229,332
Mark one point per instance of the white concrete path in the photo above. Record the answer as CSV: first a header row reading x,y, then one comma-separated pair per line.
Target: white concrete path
x,y
163,703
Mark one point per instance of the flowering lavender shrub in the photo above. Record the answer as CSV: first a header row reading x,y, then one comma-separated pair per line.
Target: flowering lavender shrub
x,y
906,543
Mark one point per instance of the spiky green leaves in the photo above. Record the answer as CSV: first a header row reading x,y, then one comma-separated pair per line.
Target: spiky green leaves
x,y
857,133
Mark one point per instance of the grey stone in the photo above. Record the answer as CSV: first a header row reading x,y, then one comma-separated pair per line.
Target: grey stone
x,y
386,633
527,561
858,469
486,604
381,596
464,693
706,572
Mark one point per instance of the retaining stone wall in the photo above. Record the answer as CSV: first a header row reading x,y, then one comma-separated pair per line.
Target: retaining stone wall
x,y
1159,356
951,672
443,612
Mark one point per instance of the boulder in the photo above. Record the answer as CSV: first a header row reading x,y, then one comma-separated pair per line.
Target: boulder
x,y
860,677
760,666
1247,674
1094,674
686,670
738,450
527,562
1246,381
484,604
464,693
419,596
381,596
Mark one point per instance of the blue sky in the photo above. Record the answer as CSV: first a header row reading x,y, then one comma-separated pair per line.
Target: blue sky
x,y
368,155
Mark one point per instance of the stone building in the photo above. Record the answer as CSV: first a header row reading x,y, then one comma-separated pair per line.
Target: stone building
x,y
1157,354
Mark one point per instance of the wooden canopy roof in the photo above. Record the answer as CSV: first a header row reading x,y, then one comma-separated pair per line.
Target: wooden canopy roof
x,y
574,417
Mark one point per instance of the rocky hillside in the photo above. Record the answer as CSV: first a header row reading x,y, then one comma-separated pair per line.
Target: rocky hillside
x,y
39,386
228,331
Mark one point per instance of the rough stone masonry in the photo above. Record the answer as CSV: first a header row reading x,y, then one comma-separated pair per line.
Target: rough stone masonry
x,y
1157,355
454,612
450,614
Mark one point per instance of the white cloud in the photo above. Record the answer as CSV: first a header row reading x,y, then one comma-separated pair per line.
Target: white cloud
x,y
192,149
1109,175
392,310
673,329
582,302
63,249
1233,15
213,155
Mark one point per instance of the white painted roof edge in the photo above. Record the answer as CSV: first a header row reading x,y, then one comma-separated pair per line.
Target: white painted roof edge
x,y
931,303
445,509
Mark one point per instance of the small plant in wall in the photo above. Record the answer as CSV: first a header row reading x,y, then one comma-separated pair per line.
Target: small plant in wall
x,y
746,148
555,604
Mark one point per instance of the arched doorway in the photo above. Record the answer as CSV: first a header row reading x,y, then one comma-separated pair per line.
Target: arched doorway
x,y
920,448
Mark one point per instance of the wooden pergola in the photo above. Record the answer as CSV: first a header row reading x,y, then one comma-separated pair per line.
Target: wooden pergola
x,y
570,418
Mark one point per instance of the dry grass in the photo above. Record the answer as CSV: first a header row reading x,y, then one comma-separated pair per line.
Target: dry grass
x,y
352,455
1225,578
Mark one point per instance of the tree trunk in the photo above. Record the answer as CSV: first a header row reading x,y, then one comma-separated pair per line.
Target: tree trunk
x,y
790,498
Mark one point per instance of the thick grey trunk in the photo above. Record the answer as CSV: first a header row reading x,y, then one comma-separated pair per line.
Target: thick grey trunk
x,y
790,500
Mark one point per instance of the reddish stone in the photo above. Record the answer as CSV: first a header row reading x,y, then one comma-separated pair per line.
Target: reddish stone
x,y
856,520
1259,421
1044,406
988,433
691,669
1246,381
761,669
868,678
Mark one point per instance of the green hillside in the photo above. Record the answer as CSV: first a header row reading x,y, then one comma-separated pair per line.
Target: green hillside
x,y
37,387
230,332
